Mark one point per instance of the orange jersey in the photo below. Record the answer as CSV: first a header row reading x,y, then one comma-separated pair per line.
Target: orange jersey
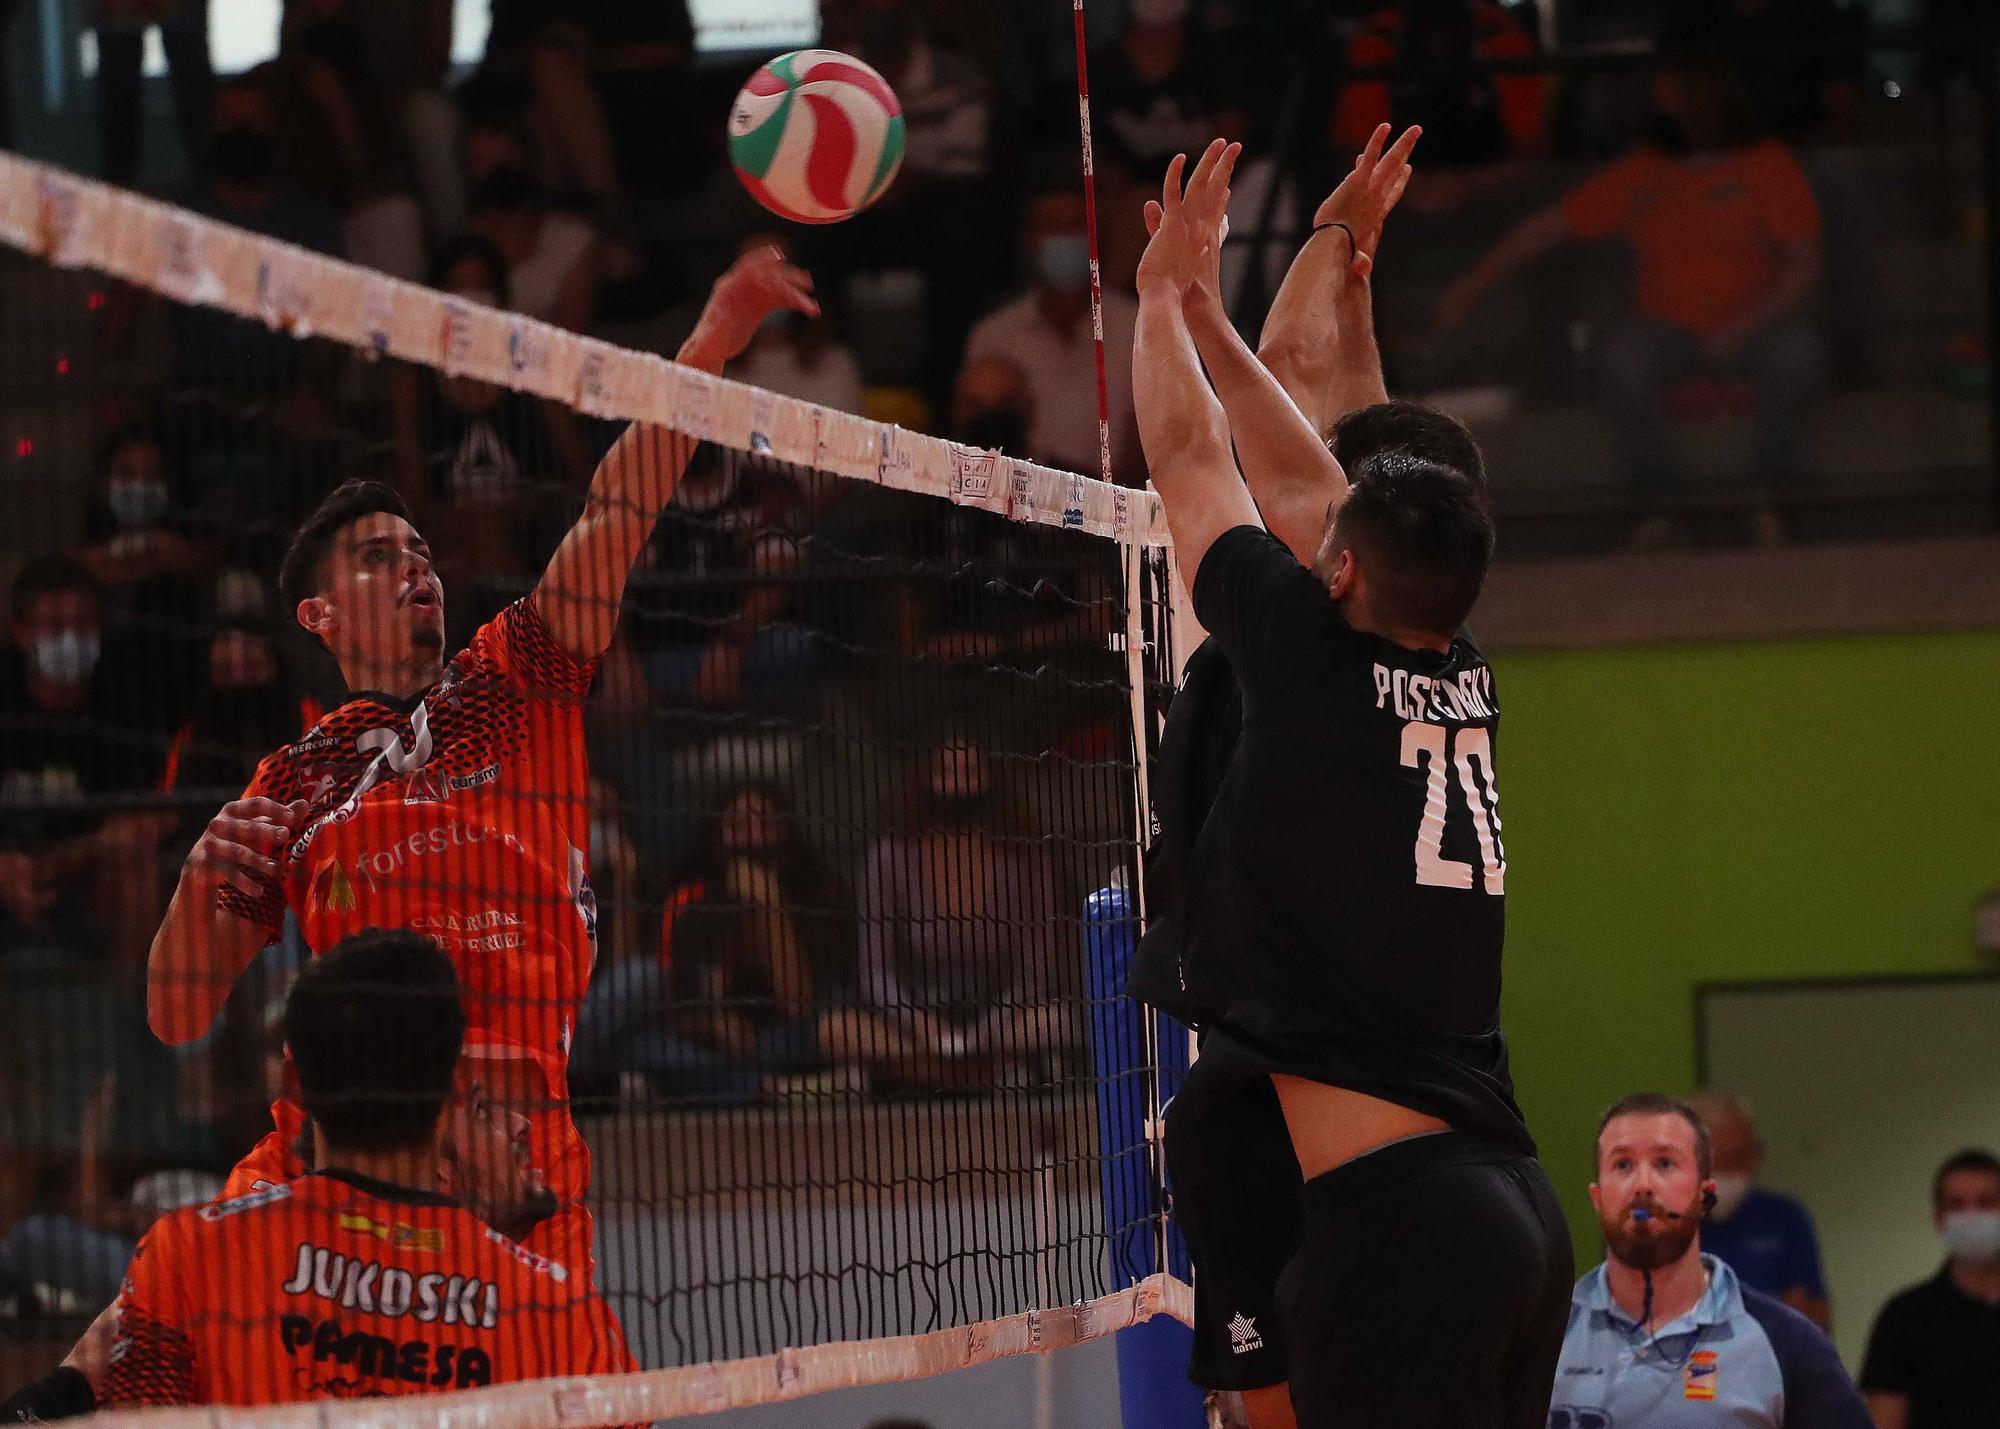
x,y
335,1286
460,814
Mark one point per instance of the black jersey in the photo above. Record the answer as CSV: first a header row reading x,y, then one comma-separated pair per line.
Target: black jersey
x,y
1345,896
1197,746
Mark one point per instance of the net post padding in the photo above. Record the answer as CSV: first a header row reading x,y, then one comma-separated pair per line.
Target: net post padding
x,y
594,1402
77,223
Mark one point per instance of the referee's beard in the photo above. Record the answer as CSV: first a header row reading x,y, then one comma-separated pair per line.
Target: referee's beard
x,y
1650,1244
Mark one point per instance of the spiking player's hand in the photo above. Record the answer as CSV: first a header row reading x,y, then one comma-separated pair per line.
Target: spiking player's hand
x,y
758,284
1188,229
1364,199
241,844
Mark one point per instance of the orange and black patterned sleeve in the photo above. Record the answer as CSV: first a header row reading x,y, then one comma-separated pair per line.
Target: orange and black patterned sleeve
x,y
153,1357
519,644
274,779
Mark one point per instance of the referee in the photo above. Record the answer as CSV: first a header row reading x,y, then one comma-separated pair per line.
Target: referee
x,y
1345,891
1227,1143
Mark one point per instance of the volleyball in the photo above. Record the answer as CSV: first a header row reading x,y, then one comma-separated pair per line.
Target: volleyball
x,y
816,136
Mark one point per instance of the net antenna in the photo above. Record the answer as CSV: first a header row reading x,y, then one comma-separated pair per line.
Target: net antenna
x,y
1148,645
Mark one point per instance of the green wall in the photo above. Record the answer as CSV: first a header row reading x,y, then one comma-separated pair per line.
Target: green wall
x,y
1683,815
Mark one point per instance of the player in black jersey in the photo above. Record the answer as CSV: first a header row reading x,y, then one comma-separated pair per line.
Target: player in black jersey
x,y
1227,1143
1342,912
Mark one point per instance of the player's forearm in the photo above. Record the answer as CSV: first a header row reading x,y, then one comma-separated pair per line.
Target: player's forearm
x,y
1291,474
1180,420
1319,337
195,959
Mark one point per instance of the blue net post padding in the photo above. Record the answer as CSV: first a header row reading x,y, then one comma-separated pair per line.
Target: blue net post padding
x,y
1153,1387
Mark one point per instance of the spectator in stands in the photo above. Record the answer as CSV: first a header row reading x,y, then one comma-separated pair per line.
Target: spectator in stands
x,y
148,555
958,936
244,706
1726,239
943,216
71,726
1795,88
500,470
1047,332
1934,1354
406,48
1660,1323
1153,94
695,612
120,27
1765,1237
609,98
242,182
1437,53
552,255
749,937
340,138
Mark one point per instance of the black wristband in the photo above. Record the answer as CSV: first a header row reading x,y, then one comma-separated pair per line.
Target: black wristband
x,y
63,1393
1353,248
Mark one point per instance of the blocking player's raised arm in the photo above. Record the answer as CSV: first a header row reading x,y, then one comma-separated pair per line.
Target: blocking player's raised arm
x,y
580,592
1182,429
1291,475
1318,338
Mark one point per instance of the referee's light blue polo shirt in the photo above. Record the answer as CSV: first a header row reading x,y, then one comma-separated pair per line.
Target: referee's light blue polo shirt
x,y
1738,1359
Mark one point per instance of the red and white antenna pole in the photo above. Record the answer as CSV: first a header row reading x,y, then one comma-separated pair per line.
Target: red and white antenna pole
x,y
1090,227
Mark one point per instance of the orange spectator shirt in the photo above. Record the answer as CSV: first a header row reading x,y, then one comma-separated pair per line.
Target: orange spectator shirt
x,y
335,1286
1708,231
460,814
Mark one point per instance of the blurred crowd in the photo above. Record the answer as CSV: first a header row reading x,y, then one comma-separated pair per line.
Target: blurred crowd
x,y
859,755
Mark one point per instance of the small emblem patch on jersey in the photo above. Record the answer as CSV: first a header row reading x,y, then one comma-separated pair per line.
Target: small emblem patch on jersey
x,y
1243,1335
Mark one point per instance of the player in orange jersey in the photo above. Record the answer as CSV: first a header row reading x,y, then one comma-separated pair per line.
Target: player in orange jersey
x,y
358,1279
448,798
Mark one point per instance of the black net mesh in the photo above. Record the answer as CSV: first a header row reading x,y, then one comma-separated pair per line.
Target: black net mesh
x,y
774,917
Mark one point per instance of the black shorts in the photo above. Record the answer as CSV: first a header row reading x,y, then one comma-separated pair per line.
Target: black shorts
x,y
1236,1187
1431,1286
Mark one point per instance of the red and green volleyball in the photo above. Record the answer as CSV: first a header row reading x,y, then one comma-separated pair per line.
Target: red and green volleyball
x,y
816,136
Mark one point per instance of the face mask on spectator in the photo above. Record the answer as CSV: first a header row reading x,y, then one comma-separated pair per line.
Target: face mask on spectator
x,y
136,505
1731,1190
1972,1235
66,657
243,153
1001,431
1062,261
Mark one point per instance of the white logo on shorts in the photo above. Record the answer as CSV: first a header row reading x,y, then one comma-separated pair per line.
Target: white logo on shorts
x,y
1243,1336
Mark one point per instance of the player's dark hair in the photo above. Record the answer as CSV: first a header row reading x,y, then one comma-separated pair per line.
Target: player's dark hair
x,y
1973,1158
305,563
1411,429
1423,536
1659,1104
48,575
374,1029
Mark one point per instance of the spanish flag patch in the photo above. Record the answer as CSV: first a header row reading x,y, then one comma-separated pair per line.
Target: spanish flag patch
x,y
1699,1376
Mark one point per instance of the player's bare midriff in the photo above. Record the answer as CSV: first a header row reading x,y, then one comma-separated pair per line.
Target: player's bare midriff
x,y
1330,1126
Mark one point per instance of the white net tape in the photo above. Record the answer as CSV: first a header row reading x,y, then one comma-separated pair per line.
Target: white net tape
x,y
591,1402
79,224
76,223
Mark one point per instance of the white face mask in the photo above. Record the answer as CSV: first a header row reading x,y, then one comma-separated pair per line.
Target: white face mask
x,y
137,505
1731,1190
1972,1235
67,657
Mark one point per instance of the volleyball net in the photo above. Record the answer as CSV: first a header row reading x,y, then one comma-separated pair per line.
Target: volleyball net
x,y
826,968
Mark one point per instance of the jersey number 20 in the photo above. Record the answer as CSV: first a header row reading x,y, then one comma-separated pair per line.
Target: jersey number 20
x,y
1470,751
